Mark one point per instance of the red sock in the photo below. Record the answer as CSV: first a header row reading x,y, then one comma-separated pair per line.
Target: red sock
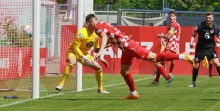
x,y
166,56
171,68
163,72
129,81
157,76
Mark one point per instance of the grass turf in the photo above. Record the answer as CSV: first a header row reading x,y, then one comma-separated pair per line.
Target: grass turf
x,y
178,97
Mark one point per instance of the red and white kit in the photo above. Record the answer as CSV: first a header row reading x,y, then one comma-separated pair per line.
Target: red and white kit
x,y
129,47
173,42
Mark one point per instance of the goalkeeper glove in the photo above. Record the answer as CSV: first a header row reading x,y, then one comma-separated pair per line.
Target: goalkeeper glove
x,y
88,61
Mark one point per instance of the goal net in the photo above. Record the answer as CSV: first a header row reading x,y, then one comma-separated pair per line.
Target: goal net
x,y
16,47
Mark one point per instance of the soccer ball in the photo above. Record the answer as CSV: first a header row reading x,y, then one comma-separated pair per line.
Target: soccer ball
x,y
28,30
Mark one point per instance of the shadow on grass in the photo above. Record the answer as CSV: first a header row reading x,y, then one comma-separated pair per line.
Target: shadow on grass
x,y
78,99
211,99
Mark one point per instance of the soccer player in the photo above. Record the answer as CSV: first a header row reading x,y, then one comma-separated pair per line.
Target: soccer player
x,y
78,49
130,49
205,46
172,42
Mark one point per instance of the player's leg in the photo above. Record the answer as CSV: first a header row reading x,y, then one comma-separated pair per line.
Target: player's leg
x,y
129,81
172,63
168,56
217,65
71,61
156,80
215,61
161,70
98,74
141,53
126,61
210,68
199,56
158,73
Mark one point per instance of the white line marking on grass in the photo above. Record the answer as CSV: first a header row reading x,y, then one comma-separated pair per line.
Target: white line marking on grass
x,y
26,100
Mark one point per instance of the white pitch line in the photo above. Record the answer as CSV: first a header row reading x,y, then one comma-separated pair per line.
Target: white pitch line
x,y
26,100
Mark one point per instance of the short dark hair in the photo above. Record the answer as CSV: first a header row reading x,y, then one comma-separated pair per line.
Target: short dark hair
x,y
172,12
89,16
209,13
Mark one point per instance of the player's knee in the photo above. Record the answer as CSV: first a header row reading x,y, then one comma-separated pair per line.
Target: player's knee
x,y
216,64
152,57
123,72
71,61
196,67
158,64
96,66
172,63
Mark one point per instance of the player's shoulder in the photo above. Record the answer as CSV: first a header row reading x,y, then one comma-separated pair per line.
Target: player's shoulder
x,y
215,25
202,24
82,32
175,24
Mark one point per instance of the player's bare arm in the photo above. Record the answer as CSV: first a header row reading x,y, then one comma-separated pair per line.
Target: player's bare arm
x,y
193,38
167,36
96,50
104,42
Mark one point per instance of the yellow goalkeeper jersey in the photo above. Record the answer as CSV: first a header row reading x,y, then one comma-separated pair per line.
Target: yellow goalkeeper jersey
x,y
83,42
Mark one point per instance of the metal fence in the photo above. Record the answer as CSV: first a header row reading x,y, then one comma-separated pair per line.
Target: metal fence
x,y
185,18
141,17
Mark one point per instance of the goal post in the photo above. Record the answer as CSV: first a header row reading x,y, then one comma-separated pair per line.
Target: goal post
x,y
36,49
78,65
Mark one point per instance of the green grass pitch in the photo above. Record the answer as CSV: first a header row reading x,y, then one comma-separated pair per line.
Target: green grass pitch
x,y
177,97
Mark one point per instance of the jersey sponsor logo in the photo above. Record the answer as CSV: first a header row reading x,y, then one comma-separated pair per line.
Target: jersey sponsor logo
x,y
211,31
90,44
80,35
172,28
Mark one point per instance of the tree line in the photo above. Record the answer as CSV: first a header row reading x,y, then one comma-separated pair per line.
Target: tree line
x,y
179,5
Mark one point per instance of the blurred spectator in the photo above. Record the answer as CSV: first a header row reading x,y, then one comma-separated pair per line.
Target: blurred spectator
x,y
164,23
151,24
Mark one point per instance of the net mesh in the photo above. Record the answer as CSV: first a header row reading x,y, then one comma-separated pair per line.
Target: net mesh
x,y
16,46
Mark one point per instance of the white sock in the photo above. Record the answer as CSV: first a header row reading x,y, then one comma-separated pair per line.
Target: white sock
x,y
134,93
181,56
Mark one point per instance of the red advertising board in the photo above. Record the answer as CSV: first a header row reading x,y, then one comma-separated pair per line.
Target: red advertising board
x,y
146,36
16,62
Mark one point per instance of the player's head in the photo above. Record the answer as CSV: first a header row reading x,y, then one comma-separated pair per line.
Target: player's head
x,y
209,17
172,16
91,20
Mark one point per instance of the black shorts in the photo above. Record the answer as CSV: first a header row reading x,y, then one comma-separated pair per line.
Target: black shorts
x,y
200,54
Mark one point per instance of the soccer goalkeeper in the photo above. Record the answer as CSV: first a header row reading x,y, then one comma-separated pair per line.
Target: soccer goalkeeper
x,y
78,49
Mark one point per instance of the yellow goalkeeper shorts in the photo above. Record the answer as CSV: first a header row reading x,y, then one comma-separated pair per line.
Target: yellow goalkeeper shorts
x,y
70,54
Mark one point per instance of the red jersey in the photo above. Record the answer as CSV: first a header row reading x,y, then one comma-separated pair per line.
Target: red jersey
x,y
173,42
115,36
